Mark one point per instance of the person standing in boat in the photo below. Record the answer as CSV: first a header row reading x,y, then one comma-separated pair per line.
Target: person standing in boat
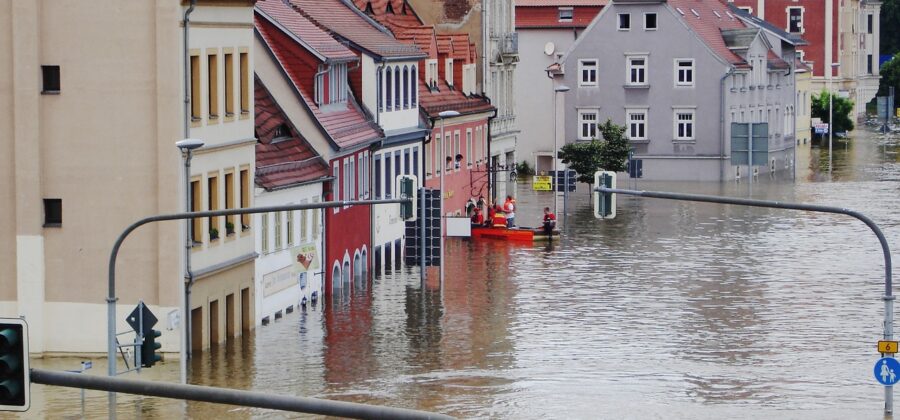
x,y
509,207
477,217
549,221
491,212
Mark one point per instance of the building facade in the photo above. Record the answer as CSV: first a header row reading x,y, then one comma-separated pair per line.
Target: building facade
x,y
671,52
91,149
546,28
843,39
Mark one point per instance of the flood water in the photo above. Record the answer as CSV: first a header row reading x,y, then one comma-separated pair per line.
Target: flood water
x,y
670,310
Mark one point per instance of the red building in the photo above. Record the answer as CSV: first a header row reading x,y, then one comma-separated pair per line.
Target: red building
x,y
306,69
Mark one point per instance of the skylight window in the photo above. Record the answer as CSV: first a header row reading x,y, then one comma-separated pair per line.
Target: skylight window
x,y
695,13
716,12
680,11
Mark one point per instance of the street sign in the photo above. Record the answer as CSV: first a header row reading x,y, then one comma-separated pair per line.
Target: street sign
x,y
889,347
750,144
542,183
821,128
149,319
887,371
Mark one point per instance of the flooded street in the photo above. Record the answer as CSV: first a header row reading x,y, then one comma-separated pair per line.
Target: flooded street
x,y
671,310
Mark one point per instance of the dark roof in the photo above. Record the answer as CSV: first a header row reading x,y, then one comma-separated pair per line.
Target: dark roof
x,y
288,159
306,32
432,102
345,21
345,124
767,26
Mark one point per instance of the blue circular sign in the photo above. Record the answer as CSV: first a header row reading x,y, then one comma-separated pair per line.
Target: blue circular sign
x,y
887,371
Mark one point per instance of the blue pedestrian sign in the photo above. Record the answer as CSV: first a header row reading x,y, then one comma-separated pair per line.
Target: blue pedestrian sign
x,y
887,371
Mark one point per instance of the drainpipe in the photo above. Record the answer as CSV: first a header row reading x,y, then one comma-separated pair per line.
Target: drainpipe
x,y
316,78
378,93
492,175
722,124
794,116
188,274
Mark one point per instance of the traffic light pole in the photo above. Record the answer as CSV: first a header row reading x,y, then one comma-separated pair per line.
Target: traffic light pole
x,y
111,298
888,297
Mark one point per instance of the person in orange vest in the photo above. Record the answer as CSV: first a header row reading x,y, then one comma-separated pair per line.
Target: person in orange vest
x,y
499,217
510,208
549,221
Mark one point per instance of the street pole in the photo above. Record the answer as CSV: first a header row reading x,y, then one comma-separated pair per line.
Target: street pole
x,y
187,146
830,116
556,92
888,296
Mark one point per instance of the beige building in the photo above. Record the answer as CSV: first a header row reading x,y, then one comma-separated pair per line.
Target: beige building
x,y
92,101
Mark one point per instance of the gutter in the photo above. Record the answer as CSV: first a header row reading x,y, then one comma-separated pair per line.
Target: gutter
x,y
722,123
319,92
185,352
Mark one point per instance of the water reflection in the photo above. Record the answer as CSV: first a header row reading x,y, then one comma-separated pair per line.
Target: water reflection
x,y
673,309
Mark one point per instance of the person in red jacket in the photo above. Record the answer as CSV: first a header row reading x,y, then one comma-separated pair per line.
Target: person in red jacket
x,y
477,217
549,221
492,211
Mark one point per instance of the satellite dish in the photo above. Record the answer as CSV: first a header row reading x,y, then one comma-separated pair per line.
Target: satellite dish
x,y
549,48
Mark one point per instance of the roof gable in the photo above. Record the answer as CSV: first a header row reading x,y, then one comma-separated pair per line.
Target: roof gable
x,y
304,31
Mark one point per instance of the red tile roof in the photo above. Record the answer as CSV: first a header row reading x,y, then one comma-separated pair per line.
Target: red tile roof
x,y
708,26
351,24
547,17
314,38
456,45
445,99
288,160
344,123
558,3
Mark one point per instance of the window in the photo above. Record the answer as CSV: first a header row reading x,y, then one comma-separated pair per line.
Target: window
x,y
304,217
684,124
469,150
624,22
50,78
331,87
387,175
52,212
869,23
795,19
397,87
415,162
396,168
437,154
413,88
278,233
456,145
448,69
378,177
587,124
565,14
406,168
649,21
264,230
245,84
213,79
684,72
336,184
289,222
196,223
212,196
405,87
352,178
245,198
869,64
587,69
387,90
637,124
378,83
195,88
229,85
229,202
637,70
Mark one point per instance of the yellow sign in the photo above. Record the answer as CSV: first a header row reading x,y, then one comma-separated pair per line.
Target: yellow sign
x,y
542,183
889,347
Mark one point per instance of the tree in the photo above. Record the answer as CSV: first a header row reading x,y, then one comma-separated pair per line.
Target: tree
x,y
606,155
842,109
890,19
890,76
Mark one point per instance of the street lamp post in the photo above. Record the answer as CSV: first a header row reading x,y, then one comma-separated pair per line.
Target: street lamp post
x,y
556,92
442,116
830,112
187,147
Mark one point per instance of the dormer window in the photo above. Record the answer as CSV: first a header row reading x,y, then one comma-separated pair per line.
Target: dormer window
x,y
390,8
282,131
368,9
449,71
331,87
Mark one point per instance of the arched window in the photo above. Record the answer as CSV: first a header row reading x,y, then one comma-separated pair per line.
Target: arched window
x,y
345,276
378,83
365,264
405,87
336,279
387,91
413,89
357,268
397,88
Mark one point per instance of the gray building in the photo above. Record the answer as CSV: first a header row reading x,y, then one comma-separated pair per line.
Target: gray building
x,y
677,74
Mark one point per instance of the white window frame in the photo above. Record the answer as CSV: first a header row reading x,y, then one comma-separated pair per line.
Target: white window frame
x,y
619,22
582,66
676,123
581,122
470,148
691,69
787,19
645,21
629,66
571,13
629,112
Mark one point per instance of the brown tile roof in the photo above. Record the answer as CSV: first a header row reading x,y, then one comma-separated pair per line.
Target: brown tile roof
x,y
709,27
560,3
287,160
312,36
445,99
345,123
351,24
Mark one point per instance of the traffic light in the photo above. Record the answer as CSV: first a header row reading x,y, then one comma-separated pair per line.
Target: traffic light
x,y
15,377
604,203
149,348
407,187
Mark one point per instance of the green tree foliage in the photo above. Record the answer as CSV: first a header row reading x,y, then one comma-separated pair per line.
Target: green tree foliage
x,y
608,154
890,76
890,20
842,109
